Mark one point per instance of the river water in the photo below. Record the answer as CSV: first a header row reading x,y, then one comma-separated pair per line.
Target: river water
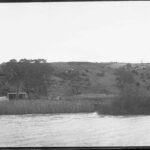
x,y
74,130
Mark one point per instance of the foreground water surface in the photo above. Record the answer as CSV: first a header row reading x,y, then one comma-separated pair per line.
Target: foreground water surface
x,y
74,130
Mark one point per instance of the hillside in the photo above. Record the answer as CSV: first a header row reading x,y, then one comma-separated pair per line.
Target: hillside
x,y
75,87
68,79
95,78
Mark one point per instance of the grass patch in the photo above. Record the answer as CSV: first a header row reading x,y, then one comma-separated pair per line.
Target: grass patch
x,y
44,107
130,106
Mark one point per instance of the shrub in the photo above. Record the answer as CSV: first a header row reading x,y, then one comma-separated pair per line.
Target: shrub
x,y
101,74
132,100
124,77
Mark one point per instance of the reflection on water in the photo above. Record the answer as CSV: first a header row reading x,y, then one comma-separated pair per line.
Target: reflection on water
x,y
74,130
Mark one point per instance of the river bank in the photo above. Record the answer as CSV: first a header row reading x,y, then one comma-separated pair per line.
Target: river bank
x,y
103,106
19,107
72,104
130,106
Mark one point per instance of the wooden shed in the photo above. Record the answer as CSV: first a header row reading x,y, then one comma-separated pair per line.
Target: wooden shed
x,y
15,96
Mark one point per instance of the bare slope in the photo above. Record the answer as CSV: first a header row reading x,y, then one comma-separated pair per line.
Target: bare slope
x,y
93,78
85,78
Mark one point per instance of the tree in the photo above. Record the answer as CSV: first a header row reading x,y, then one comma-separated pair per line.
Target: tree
x,y
124,77
31,76
132,98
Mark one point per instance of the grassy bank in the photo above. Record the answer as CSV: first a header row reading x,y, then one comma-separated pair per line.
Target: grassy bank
x,y
45,107
110,106
129,106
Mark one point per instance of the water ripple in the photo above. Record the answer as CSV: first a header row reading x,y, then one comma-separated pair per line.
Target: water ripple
x,y
74,130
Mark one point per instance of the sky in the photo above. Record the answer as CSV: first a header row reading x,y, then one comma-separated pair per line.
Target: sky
x,y
76,31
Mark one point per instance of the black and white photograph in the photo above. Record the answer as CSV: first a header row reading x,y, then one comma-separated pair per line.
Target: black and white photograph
x,y
75,74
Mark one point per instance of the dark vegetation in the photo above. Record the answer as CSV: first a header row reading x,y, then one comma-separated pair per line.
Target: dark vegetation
x,y
133,98
75,87
44,107
31,76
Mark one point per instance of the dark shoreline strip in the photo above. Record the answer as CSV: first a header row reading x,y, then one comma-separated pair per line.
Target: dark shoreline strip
x,y
30,1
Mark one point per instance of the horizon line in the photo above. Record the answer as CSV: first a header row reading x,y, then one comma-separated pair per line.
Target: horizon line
x,y
84,61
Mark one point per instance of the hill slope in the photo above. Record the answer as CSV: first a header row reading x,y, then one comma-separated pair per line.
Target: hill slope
x,y
63,79
94,78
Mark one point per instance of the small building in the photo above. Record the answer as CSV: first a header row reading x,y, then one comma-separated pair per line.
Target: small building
x,y
17,96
